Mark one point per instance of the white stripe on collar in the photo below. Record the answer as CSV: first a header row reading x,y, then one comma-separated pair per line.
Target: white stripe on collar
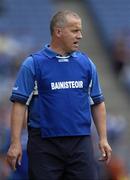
x,y
62,57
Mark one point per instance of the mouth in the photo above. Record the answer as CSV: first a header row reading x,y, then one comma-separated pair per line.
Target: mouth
x,y
76,44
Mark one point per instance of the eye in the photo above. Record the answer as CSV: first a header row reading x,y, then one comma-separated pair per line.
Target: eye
x,y
76,31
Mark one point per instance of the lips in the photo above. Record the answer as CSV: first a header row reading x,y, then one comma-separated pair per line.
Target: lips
x,y
76,43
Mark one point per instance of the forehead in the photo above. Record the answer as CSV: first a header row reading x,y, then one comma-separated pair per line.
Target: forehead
x,y
72,20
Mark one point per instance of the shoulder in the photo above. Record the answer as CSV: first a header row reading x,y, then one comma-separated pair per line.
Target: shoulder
x,y
39,58
28,64
28,61
85,58
39,55
80,54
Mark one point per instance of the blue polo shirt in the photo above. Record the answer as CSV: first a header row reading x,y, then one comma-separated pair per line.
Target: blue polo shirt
x,y
75,75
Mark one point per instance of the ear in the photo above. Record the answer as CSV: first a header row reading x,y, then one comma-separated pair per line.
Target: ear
x,y
58,32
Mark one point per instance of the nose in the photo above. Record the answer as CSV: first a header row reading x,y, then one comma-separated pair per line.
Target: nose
x,y
79,35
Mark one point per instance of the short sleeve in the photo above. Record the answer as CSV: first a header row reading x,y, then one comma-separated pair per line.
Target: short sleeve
x,y
96,94
24,83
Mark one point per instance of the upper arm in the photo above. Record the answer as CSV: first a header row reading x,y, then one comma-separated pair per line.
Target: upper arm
x,y
96,94
24,83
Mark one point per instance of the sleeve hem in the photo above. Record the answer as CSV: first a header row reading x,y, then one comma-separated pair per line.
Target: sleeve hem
x,y
98,101
22,100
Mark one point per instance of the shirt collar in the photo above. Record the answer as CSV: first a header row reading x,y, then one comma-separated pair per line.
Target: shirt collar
x,y
50,53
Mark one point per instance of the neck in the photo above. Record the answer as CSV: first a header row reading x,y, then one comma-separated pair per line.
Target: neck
x,y
58,49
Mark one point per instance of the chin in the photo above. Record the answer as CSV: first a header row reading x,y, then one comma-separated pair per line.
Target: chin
x,y
75,49
72,50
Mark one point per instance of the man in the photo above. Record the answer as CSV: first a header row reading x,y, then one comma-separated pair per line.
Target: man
x,y
60,87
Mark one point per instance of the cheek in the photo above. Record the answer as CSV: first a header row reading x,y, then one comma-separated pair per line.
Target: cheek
x,y
67,35
68,38
68,42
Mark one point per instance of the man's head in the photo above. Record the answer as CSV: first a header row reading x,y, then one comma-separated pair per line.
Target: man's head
x,y
65,28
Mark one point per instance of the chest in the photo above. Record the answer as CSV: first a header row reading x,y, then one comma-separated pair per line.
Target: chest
x,y
69,75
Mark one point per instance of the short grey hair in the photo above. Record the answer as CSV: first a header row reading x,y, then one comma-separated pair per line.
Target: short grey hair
x,y
59,19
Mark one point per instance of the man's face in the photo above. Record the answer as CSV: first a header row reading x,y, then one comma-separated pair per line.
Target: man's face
x,y
71,34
